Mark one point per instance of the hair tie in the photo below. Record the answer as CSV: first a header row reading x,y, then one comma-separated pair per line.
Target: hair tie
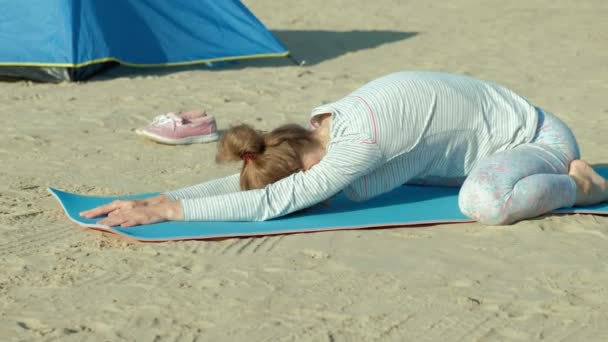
x,y
247,156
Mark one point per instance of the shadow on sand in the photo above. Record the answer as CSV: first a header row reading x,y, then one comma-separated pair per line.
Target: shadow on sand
x,y
306,47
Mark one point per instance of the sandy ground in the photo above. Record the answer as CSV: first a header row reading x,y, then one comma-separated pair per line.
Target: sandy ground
x,y
541,279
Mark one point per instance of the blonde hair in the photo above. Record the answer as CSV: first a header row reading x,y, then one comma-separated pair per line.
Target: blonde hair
x,y
267,157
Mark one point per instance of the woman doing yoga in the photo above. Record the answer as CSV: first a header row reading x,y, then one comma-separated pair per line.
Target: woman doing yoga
x,y
512,160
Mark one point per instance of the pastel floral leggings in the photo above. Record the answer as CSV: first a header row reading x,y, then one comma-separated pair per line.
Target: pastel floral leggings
x,y
526,181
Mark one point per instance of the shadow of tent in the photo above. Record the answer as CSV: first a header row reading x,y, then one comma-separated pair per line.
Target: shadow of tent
x,y
313,47
318,46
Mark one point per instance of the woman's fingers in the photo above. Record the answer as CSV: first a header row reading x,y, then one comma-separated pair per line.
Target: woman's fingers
x,y
129,217
123,218
113,221
102,210
106,209
115,218
130,223
114,213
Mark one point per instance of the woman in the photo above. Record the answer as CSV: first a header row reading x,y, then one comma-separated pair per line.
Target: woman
x,y
513,160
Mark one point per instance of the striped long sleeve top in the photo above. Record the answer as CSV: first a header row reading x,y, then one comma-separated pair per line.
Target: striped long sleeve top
x,y
402,127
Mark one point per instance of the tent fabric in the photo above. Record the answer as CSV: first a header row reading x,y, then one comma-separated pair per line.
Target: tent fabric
x,y
73,34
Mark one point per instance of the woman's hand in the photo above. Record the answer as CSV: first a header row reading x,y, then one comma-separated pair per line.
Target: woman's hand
x,y
129,217
123,204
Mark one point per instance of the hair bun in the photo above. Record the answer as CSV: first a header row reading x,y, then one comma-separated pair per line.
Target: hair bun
x,y
240,142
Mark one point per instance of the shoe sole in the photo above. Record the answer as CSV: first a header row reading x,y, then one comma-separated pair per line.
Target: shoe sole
x,y
195,139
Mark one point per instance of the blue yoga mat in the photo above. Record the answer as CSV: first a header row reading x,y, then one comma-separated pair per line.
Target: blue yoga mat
x,y
404,206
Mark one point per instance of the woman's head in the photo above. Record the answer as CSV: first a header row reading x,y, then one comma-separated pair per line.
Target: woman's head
x,y
267,157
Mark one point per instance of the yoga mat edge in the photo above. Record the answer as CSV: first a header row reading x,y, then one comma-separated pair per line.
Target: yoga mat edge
x,y
253,228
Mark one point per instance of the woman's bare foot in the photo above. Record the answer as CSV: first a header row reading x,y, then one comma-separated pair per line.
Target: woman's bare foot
x,y
591,188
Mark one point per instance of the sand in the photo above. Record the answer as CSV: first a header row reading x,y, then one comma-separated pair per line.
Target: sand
x,y
542,279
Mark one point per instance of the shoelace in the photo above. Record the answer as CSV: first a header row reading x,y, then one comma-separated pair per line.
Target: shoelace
x,y
164,119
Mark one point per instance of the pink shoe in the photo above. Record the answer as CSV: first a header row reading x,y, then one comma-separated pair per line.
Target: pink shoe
x,y
180,130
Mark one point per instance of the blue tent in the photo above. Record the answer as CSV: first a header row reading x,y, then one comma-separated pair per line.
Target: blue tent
x,y
55,40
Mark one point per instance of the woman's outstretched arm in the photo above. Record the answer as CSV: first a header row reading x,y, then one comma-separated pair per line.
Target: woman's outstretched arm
x,y
164,206
214,187
125,205
347,160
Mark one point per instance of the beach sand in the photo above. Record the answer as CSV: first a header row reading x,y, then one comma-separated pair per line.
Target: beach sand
x,y
542,279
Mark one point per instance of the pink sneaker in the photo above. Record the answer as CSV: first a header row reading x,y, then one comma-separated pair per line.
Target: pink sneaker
x,y
180,130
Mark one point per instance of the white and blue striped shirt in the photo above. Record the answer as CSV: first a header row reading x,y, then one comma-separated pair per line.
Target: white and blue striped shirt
x,y
402,127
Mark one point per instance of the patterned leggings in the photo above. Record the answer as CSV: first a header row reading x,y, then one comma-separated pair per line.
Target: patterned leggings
x,y
526,181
